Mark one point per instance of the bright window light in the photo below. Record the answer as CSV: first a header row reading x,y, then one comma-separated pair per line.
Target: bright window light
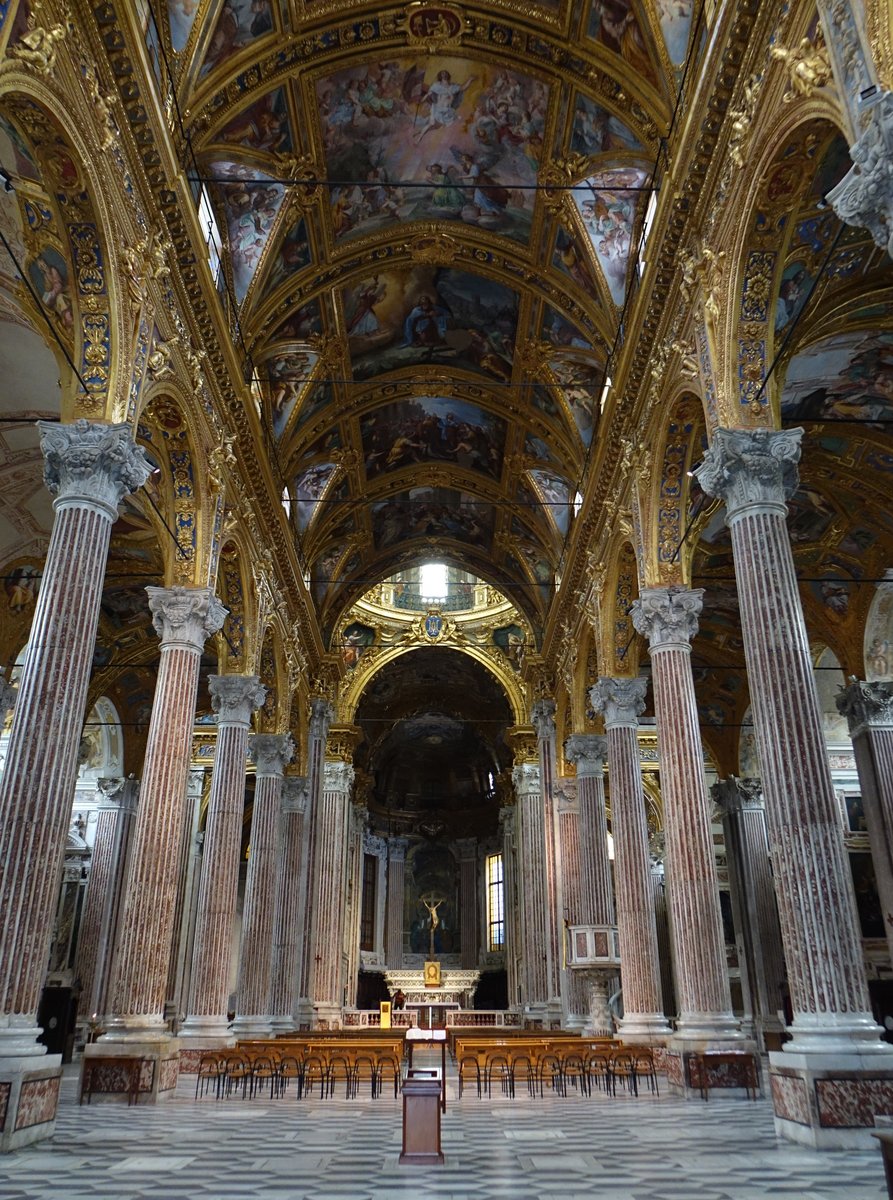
x,y
433,581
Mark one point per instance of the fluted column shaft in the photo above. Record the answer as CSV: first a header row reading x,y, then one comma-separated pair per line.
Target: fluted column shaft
x,y
288,925
321,716
358,817
96,937
88,469
394,913
328,886
270,753
234,698
754,471
183,618
511,906
669,617
469,926
543,719
532,887
588,751
868,708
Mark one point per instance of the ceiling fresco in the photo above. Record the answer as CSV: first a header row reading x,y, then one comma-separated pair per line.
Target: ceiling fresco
x,y
377,184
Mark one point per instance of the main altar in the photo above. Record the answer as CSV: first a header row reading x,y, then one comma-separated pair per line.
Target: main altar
x,y
455,991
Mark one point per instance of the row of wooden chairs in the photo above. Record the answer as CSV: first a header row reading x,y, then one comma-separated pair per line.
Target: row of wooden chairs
x,y
559,1073
247,1075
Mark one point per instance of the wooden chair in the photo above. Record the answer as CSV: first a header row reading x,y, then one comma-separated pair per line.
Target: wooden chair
x,y
643,1066
210,1071
387,1068
469,1072
316,1071
236,1074
262,1073
498,1066
623,1067
341,1067
290,1068
573,1070
598,1071
365,1069
524,1071
548,1072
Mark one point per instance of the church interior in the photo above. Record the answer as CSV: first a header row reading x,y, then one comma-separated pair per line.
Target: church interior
x,y
439,616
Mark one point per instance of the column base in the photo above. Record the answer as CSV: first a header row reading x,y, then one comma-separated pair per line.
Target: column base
x,y
29,1097
830,1101
645,1029
326,1016
696,1068
106,1070
195,1044
283,1025
256,1026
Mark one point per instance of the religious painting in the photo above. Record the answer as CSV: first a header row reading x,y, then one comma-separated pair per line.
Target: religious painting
x,y
596,131
308,491
554,493
793,291
675,22
581,386
49,275
423,315
442,139
542,399
16,152
846,377
569,257
539,567
239,23
434,428
181,18
251,202
615,25
833,593
608,202
535,447
511,640
323,571
300,323
314,401
355,640
292,255
558,330
432,512
22,584
855,814
263,125
125,604
287,371
431,872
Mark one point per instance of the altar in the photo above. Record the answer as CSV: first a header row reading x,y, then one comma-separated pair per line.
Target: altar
x,y
455,991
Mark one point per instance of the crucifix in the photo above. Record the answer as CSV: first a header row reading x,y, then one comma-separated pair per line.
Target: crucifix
x,y
432,904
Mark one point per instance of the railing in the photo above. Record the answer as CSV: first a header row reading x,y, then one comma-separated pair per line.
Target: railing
x,y
370,1018
481,1018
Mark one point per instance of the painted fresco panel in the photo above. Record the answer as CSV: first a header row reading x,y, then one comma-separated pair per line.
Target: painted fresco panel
x,y
554,493
608,202
239,23
847,377
432,512
675,22
251,202
309,489
263,125
615,25
596,131
434,428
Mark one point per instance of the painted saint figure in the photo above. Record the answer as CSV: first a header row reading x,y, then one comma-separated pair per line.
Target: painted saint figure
x,y
444,98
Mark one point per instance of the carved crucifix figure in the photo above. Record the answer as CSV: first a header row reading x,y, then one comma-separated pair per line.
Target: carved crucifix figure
x,y
432,904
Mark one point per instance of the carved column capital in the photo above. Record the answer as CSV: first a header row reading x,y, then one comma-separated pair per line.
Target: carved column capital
x,y
338,777
526,778
866,705
588,752
235,697
734,795
295,793
322,714
864,197
397,849
468,848
753,470
185,616
621,700
271,752
668,616
91,465
542,718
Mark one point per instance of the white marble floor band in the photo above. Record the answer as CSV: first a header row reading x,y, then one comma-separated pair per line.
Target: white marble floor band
x,y
553,1149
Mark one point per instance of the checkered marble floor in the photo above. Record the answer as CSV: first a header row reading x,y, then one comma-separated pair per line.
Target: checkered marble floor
x,y
558,1148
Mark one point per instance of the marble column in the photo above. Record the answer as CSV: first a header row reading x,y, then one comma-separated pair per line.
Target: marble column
x,y
327,889
543,721
755,471
469,886
533,911
393,937
669,617
868,708
511,906
596,894
183,618
321,716
270,753
753,903
234,698
288,930
96,938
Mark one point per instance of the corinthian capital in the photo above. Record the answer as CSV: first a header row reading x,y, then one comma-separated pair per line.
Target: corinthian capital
x,y
864,197
621,700
542,718
338,777
588,752
235,697
322,714
866,705
295,791
271,752
668,616
735,794
751,469
185,616
526,778
91,465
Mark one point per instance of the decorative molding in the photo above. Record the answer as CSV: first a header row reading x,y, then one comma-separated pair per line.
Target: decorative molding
x,y
588,752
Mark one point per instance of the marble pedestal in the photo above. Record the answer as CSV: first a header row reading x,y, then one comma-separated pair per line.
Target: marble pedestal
x,y
196,1045
725,1073
327,1016
29,1097
159,1059
830,1101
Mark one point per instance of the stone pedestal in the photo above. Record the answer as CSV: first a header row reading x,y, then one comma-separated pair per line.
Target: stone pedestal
x,y
112,1082
621,701
234,698
270,753
829,1101
755,471
88,469
288,925
184,618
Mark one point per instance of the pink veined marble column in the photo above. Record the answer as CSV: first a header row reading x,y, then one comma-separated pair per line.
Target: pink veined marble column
x,y
396,885
270,753
234,698
328,885
532,889
321,716
755,471
358,821
621,701
469,934
184,618
669,617
576,992
288,925
868,708
96,939
588,752
543,721
510,903
88,469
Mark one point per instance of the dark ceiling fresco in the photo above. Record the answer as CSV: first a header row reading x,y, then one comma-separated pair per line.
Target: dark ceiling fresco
x,y
427,327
